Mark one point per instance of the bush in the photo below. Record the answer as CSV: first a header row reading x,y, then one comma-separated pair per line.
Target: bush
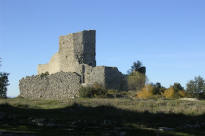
x,y
173,93
146,92
182,93
85,92
96,90
112,91
169,93
158,89
44,75
4,82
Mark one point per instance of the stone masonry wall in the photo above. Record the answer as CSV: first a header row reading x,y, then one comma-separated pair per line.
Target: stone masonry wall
x,y
108,77
74,49
95,75
113,78
43,68
60,85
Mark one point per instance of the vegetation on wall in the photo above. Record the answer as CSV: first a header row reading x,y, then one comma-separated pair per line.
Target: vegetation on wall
x,y
136,80
44,75
136,77
137,66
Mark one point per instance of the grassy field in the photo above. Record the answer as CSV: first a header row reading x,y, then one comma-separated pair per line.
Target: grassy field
x,y
102,116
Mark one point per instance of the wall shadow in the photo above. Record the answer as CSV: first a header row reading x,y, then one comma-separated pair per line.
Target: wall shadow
x,y
102,120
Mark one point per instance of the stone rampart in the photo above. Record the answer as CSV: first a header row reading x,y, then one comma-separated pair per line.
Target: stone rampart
x,y
60,85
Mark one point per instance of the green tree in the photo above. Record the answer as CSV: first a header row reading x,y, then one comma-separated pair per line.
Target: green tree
x,y
4,82
158,88
137,67
196,87
178,87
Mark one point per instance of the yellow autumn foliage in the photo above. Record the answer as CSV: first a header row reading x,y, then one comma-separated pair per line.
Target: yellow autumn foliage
x,y
169,93
182,93
172,93
146,92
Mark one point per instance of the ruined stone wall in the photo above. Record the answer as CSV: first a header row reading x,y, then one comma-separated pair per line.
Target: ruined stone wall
x,y
54,65
68,62
108,77
89,45
76,58
60,85
95,75
113,78
74,49
43,68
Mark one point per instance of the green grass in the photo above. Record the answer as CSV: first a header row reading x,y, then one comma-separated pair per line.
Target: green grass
x,y
103,116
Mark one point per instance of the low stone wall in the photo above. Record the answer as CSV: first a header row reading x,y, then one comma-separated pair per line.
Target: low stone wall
x,y
60,85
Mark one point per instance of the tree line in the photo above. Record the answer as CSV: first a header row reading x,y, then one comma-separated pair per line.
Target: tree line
x,y
136,77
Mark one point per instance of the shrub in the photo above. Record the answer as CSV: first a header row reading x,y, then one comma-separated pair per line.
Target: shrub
x,y
158,89
182,93
173,93
146,92
96,90
85,92
112,91
43,75
169,93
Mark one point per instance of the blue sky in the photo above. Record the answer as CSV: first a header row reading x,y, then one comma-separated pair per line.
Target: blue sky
x,y
168,36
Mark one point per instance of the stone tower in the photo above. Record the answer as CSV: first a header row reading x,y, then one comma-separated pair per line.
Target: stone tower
x,y
75,50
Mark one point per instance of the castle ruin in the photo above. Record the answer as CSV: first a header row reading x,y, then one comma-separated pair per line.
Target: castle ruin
x,y
76,57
